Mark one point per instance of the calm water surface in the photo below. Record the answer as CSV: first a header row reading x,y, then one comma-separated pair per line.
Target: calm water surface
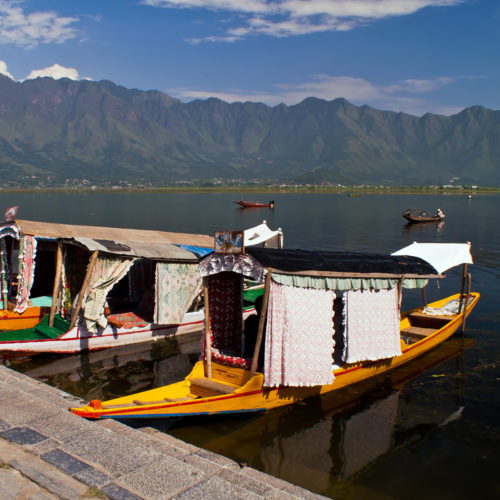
x,y
429,430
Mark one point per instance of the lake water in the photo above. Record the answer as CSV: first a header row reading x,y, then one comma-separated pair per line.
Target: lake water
x,y
429,430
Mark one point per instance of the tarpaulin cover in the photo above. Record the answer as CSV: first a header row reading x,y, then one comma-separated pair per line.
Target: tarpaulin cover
x,y
343,262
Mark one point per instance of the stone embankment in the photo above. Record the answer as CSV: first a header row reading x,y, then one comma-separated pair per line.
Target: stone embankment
x,y
46,452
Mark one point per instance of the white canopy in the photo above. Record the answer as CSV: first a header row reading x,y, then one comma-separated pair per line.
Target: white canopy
x,y
263,235
441,256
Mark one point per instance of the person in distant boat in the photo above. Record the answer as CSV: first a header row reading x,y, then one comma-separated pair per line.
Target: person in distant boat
x,y
440,213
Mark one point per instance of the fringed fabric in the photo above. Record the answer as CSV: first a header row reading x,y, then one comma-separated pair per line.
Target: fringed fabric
x,y
299,337
371,329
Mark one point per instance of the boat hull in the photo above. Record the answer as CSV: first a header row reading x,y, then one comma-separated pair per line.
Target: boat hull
x,y
11,320
415,219
79,339
252,396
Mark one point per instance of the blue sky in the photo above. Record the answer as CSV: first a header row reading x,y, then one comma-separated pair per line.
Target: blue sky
x,y
415,56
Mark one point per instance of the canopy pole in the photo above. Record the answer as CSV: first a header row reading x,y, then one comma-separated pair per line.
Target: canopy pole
x,y
464,312
464,274
208,342
57,283
424,298
83,290
262,321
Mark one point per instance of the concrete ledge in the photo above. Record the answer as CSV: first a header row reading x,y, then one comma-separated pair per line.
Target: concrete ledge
x,y
66,455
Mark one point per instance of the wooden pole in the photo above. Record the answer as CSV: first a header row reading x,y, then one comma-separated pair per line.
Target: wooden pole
x,y
84,288
262,321
424,298
464,274
208,342
464,312
57,283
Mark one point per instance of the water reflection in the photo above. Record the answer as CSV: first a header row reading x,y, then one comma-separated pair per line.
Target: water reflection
x,y
110,373
328,444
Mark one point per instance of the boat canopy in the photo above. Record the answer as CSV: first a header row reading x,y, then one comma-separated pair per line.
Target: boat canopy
x,y
158,245
326,270
441,256
332,263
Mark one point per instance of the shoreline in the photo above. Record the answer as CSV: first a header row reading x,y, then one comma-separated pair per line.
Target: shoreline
x,y
349,191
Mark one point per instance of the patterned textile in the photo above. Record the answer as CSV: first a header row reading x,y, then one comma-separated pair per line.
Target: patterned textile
x,y
5,274
126,320
27,254
299,337
371,325
226,318
107,272
242,264
177,285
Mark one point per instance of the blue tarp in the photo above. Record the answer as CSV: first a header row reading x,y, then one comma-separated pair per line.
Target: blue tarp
x,y
199,251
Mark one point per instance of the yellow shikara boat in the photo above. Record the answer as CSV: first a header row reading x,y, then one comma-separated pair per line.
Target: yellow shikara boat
x,y
227,383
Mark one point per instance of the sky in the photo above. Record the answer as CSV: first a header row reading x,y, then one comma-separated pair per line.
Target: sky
x,y
414,56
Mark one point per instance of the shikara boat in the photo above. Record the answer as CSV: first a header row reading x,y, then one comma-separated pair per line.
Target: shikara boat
x,y
412,216
303,290
107,286
254,204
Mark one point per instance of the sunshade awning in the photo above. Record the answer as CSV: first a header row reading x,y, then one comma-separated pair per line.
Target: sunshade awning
x,y
259,234
441,256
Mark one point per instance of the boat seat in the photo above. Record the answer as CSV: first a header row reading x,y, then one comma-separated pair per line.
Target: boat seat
x,y
418,331
206,387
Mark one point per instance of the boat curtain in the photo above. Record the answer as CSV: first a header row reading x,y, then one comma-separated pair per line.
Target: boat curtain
x,y
27,254
299,337
371,328
72,277
225,308
177,285
343,284
106,273
243,264
4,274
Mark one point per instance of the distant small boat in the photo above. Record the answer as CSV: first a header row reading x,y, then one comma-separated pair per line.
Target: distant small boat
x,y
412,215
254,204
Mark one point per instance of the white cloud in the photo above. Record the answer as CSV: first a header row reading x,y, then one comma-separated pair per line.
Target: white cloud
x,y
55,71
399,96
281,18
31,29
3,70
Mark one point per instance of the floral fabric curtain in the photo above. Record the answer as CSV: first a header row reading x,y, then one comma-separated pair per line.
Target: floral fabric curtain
x,y
177,285
107,272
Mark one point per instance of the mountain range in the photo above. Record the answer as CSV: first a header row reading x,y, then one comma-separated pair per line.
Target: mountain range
x,y
64,129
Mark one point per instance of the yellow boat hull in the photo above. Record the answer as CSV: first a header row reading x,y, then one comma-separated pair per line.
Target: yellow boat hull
x,y
245,394
10,320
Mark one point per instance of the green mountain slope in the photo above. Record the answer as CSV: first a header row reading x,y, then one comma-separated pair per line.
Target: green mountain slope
x,y
103,132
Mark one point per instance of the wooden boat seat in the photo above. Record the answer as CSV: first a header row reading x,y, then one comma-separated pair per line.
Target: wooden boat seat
x,y
418,319
206,387
418,331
